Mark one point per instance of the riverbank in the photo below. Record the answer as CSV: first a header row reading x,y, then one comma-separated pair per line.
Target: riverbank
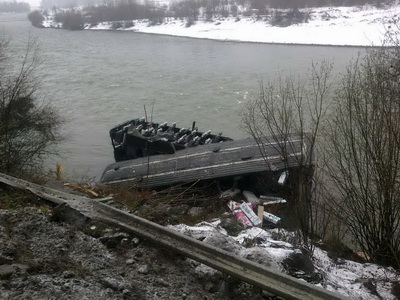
x,y
339,26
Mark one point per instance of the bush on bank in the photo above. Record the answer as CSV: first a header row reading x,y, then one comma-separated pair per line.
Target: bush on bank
x,y
29,125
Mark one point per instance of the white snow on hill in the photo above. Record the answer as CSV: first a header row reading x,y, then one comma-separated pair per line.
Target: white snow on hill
x,y
346,26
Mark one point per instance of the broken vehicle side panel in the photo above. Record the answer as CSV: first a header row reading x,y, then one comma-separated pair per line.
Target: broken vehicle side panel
x,y
217,160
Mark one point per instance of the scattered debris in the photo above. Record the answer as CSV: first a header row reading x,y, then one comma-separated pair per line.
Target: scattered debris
x,y
83,188
260,214
284,176
241,217
229,194
251,198
248,210
244,212
271,218
59,171
196,211
274,202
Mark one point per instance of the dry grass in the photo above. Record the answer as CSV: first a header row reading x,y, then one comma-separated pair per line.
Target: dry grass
x,y
12,198
168,205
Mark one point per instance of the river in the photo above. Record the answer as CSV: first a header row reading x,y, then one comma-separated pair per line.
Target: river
x,y
97,79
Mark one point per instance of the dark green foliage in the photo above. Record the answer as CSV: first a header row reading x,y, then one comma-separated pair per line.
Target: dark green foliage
x,y
291,4
129,24
232,226
287,18
36,18
123,10
72,20
116,25
280,12
189,9
190,22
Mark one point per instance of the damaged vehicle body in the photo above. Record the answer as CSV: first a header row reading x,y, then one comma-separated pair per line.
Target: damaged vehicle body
x,y
138,138
151,155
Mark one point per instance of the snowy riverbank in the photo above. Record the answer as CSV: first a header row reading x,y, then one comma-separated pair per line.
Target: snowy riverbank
x,y
346,277
345,26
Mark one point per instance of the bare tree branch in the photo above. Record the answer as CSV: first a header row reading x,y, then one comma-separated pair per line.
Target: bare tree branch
x,y
28,124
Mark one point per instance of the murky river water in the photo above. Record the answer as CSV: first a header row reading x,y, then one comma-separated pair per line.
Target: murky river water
x,y
100,78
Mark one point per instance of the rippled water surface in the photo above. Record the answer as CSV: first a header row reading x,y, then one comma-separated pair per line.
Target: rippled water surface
x,y
100,78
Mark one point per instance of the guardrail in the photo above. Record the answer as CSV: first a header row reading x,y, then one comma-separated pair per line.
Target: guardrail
x,y
275,282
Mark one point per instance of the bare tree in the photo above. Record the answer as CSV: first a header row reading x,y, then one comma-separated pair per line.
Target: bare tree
x,y
288,110
361,147
28,125
364,153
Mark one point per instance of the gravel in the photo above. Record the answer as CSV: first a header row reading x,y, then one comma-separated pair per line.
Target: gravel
x,y
45,259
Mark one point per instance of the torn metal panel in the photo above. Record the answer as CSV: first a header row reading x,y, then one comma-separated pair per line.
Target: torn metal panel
x,y
230,158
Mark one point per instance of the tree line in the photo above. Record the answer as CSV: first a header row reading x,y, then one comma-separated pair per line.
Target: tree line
x,y
123,12
14,6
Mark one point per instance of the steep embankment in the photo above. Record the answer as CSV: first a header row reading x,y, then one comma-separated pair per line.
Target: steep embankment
x,y
44,256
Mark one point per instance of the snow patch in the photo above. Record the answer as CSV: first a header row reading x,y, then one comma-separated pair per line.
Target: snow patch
x,y
349,278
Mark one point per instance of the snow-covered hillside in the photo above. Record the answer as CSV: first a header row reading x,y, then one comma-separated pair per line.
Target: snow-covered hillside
x,y
347,26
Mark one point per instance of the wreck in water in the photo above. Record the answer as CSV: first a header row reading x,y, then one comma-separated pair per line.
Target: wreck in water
x,y
152,154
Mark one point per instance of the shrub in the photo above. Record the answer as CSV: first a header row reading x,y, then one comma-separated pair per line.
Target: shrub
x,y
284,19
189,22
278,112
72,20
28,125
129,24
364,153
116,25
36,18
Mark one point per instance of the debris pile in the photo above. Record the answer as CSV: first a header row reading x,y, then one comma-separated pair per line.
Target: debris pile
x,y
244,212
195,202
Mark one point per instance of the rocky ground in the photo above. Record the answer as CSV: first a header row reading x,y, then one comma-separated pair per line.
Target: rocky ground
x,y
42,258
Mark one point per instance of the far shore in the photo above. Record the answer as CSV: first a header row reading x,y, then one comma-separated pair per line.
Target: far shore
x,y
232,41
345,27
